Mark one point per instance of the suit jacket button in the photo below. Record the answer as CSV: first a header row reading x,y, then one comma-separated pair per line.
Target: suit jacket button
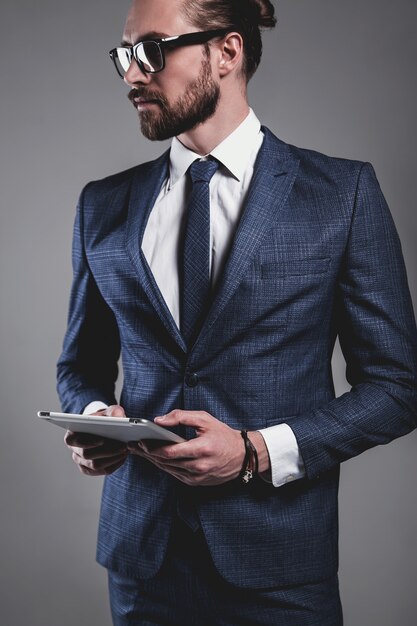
x,y
191,379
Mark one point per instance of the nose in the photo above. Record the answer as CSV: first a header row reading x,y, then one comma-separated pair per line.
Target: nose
x,y
134,75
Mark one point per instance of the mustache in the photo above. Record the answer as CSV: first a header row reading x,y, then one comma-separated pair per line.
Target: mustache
x,y
146,94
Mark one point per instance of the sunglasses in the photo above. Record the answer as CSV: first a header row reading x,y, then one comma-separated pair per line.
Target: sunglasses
x,y
149,54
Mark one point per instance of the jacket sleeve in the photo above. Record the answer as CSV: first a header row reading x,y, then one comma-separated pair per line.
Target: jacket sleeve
x,y
87,368
377,333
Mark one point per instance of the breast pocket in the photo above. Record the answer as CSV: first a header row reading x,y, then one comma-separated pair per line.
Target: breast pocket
x,y
294,267
303,285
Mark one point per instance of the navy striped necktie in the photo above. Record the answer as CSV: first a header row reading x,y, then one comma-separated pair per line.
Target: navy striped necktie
x,y
196,254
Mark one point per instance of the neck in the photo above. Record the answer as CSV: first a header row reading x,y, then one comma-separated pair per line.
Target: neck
x,y
204,137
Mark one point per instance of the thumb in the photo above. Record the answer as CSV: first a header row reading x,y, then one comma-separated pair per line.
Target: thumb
x,y
115,410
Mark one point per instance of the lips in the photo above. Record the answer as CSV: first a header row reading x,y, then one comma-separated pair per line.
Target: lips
x,y
142,101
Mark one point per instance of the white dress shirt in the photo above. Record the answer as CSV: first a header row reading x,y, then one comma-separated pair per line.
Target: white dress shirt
x,y
162,240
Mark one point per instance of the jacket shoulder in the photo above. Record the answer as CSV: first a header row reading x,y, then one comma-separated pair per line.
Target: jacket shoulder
x,y
314,163
119,182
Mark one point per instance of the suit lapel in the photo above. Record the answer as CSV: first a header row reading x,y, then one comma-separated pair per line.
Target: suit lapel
x,y
274,175
146,185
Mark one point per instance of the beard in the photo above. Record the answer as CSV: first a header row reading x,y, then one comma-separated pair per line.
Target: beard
x,y
197,104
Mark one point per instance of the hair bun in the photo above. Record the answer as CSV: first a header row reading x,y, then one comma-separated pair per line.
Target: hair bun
x,y
265,13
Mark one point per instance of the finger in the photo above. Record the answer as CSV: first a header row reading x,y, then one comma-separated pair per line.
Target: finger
x,y
176,472
140,449
191,449
163,452
98,464
194,419
134,446
137,449
102,472
107,448
149,445
102,452
185,466
185,475
115,410
82,440
183,470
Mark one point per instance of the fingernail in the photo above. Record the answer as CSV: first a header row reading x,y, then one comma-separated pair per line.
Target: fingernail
x,y
160,418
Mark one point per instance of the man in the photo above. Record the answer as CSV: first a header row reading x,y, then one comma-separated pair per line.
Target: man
x,y
224,272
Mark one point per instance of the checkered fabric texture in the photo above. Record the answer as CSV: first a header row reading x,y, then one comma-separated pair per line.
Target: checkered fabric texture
x,y
315,256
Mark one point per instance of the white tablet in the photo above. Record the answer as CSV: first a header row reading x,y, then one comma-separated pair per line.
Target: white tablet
x,y
120,428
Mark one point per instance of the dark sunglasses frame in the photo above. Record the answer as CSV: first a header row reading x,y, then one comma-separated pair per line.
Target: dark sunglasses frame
x,y
189,39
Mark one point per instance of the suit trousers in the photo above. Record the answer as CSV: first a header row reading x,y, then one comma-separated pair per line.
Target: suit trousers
x,y
188,591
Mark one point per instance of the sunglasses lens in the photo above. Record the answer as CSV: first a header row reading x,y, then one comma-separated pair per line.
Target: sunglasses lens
x,y
122,59
149,55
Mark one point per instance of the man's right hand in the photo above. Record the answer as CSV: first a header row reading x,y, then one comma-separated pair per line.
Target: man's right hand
x,y
97,456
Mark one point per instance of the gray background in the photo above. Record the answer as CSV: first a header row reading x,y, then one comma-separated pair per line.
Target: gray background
x,y
336,76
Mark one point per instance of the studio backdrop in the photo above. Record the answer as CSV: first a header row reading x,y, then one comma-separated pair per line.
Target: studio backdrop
x,y
337,77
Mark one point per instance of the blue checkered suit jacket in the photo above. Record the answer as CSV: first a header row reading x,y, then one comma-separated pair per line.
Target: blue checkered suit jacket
x,y
315,255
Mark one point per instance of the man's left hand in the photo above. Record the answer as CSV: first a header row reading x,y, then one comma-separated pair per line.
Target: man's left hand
x,y
213,457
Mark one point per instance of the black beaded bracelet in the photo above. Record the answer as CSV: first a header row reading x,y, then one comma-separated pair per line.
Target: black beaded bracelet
x,y
245,473
250,462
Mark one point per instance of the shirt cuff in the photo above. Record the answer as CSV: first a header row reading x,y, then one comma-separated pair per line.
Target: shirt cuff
x,y
286,462
93,407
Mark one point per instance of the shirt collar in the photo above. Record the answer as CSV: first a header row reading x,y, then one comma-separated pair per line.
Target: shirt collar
x,y
233,152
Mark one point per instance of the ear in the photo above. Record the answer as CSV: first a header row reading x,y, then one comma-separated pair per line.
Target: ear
x,y
231,53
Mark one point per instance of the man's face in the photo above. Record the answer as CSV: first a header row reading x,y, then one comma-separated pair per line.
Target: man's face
x,y
184,94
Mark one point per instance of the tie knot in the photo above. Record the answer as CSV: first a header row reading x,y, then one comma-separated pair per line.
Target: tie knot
x,y
203,171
